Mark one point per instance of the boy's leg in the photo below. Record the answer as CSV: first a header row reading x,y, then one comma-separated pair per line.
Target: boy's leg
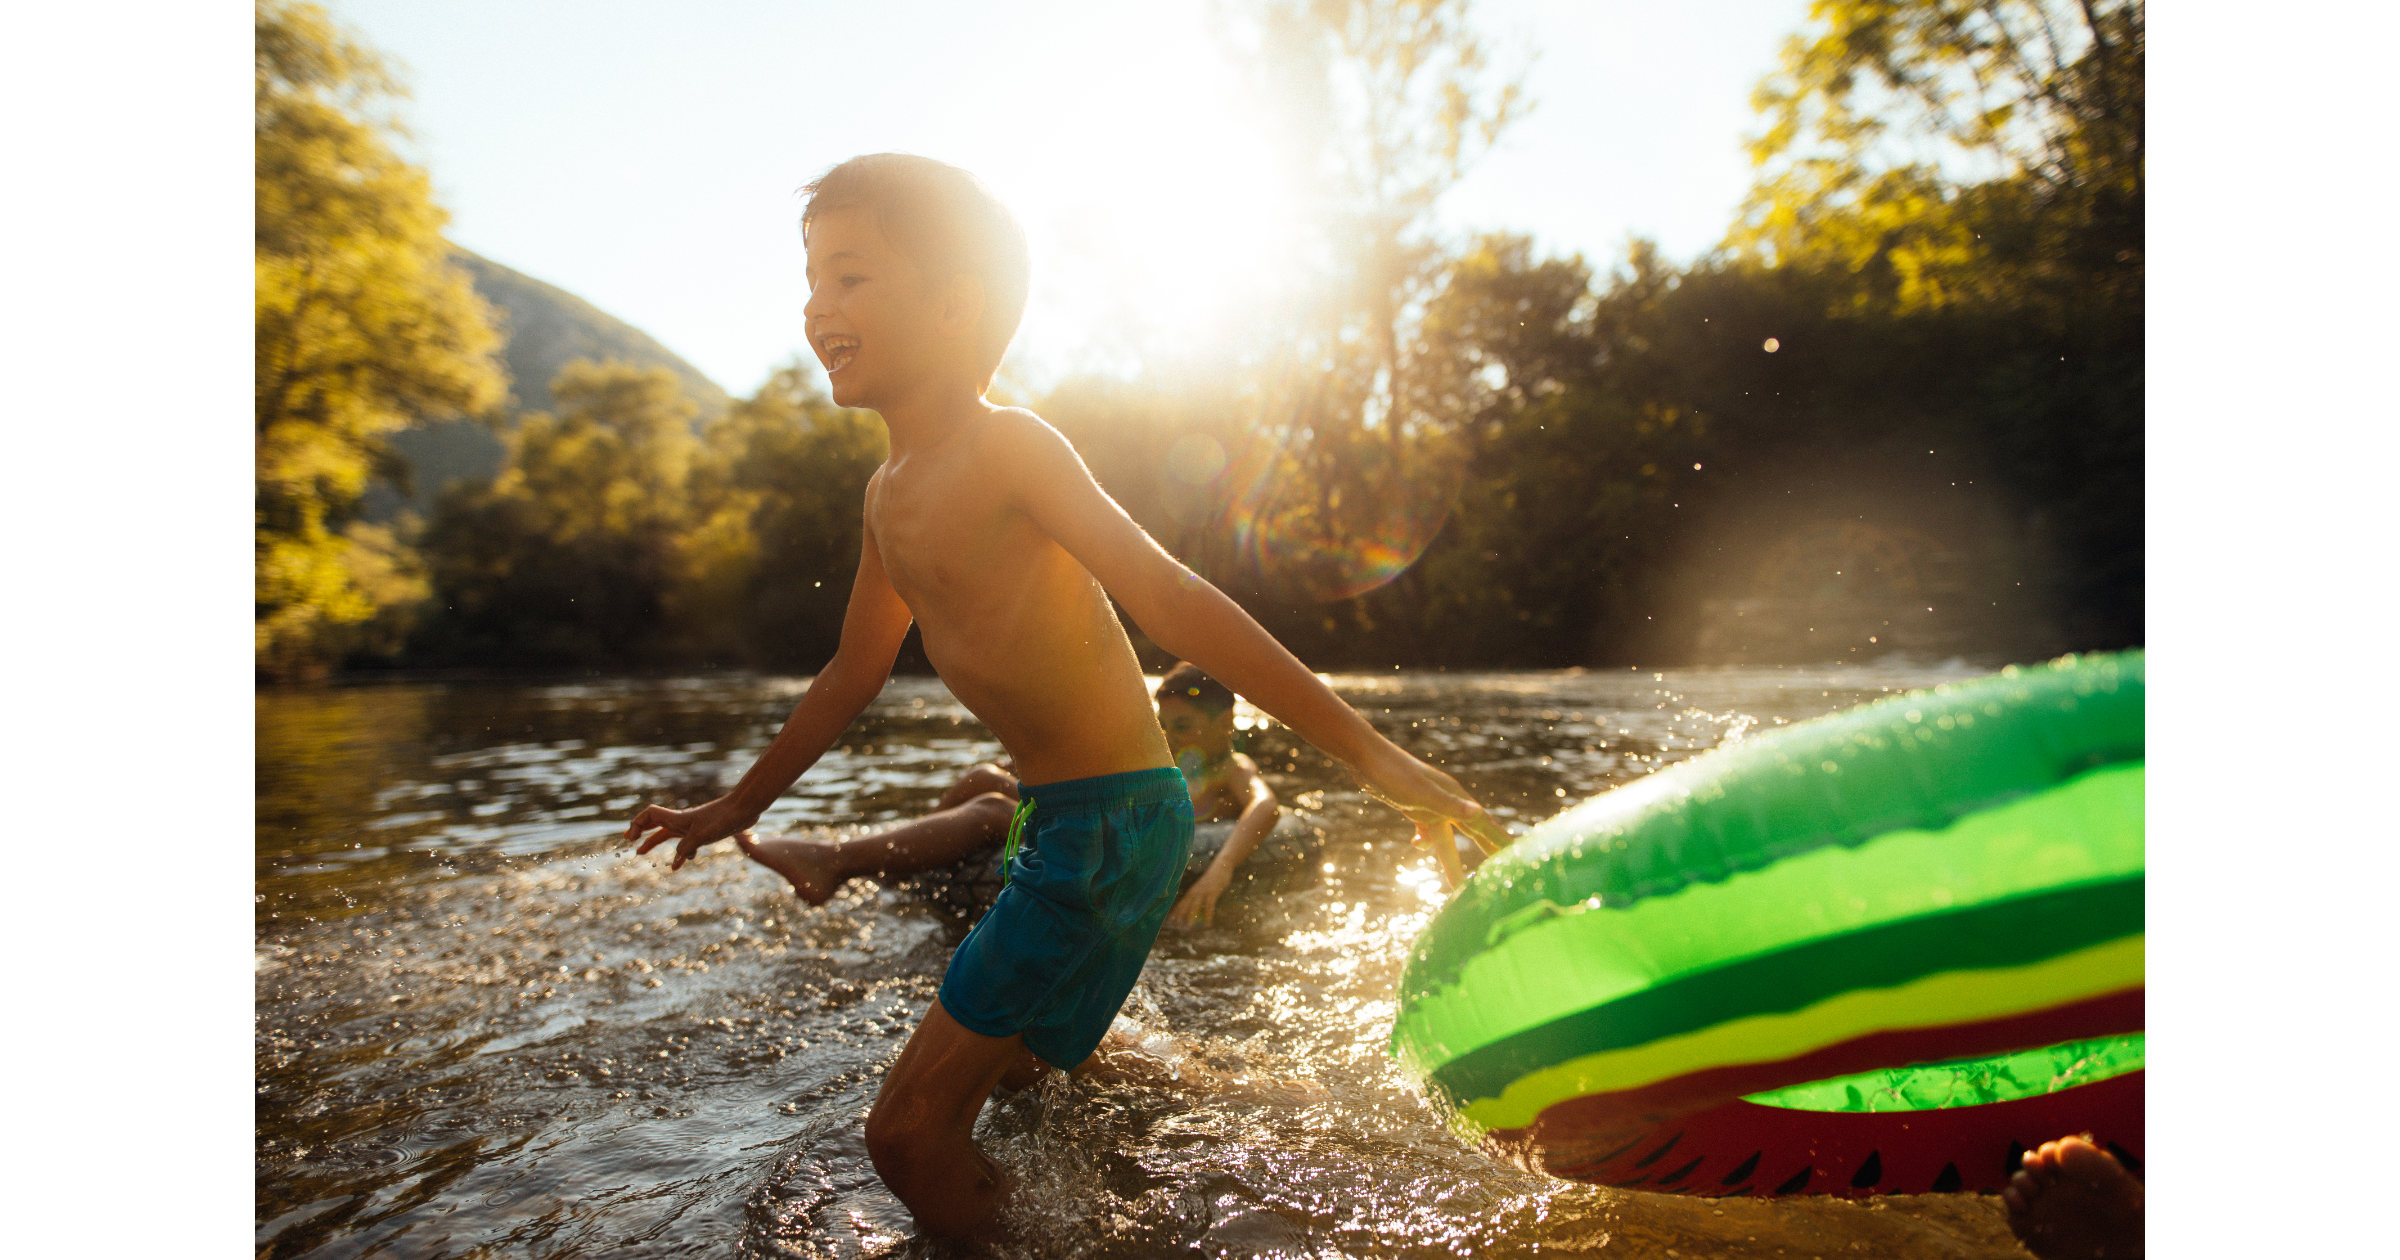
x,y
973,814
983,778
921,1132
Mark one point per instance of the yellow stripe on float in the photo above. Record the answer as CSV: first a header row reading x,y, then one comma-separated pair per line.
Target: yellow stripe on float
x,y
1948,997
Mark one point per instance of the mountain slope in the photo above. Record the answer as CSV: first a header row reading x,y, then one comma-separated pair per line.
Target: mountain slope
x,y
545,327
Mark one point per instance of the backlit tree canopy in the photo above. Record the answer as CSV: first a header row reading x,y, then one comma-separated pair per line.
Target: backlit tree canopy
x,y
1951,150
362,328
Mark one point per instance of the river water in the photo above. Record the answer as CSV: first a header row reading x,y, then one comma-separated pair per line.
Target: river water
x,y
483,1028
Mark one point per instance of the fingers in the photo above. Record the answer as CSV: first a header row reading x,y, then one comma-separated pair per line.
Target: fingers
x,y
1445,850
649,817
1487,833
656,824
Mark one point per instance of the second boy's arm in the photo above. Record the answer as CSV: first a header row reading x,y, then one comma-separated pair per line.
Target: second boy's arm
x,y
1189,617
872,628
1199,902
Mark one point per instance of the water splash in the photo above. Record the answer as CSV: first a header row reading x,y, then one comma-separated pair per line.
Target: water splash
x,y
569,1052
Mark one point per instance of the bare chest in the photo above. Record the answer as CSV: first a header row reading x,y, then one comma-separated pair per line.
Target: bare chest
x,y
936,525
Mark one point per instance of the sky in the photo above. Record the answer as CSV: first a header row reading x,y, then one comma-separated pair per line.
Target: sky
x,y
647,157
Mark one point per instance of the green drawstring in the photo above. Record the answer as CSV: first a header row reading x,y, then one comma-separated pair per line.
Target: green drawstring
x,y
1016,827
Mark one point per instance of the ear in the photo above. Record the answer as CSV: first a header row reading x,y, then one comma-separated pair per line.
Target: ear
x,y
962,304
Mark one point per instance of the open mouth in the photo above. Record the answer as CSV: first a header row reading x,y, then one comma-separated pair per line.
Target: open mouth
x,y
837,352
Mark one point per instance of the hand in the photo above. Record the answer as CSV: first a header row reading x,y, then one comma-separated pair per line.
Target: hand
x,y
692,828
1198,904
1435,803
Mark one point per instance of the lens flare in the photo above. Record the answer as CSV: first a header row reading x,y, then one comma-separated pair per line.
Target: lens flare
x,y
1326,548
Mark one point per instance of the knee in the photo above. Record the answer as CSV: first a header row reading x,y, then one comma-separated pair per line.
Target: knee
x,y
895,1146
983,780
989,778
992,809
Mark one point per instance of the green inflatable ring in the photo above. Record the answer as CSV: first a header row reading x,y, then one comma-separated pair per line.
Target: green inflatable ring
x,y
1881,951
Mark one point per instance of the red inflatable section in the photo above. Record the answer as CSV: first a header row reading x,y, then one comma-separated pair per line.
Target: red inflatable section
x,y
1571,1130
1741,1148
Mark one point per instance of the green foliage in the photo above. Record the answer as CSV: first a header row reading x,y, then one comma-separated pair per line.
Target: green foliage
x,y
781,492
613,536
1965,182
1568,461
574,554
1956,370
1913,379
1387,103
546,328
1943,152
362,326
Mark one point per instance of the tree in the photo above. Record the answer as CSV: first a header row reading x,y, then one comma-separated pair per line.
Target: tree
x,y
1388,103
362,327
1950,150
779,490
1983,162
575,553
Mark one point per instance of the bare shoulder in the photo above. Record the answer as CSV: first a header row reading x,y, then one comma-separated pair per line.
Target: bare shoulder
x,y
1023,448
1015,431
874,491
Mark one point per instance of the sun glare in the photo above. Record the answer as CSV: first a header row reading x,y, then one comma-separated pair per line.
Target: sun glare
x,y
1155,223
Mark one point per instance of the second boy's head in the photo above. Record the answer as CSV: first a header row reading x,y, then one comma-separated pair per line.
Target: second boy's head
x,y
1196,712
914,270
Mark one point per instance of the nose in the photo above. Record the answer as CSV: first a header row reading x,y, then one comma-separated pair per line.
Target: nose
x,y
813,307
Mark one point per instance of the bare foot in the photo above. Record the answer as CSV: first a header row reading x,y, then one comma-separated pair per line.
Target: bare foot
x,y
2072,1199
810,865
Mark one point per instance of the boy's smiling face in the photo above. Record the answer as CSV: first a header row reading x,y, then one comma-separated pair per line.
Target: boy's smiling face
x,y
871,318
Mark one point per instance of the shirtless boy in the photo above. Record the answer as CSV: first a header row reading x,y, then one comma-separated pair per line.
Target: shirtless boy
x,y
985,529
971,819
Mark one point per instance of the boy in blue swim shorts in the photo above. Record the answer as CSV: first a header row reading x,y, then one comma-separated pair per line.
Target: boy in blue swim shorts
x,y
985,530
1095,867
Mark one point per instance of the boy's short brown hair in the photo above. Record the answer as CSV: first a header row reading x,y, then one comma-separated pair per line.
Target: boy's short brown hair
x,y
945,221
1186,682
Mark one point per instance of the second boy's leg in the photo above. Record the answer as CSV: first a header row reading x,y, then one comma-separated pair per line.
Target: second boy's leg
x,y
971,816
921,1132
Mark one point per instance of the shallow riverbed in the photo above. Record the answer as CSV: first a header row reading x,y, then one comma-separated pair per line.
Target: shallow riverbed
x,y
483,1028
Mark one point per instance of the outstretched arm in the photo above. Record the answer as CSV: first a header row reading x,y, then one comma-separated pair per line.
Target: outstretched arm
x,y
872,629
1187,616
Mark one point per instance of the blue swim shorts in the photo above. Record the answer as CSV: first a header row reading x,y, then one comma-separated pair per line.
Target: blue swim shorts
x,y
1095,872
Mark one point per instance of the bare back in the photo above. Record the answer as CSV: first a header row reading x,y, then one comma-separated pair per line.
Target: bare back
x,y
1020,632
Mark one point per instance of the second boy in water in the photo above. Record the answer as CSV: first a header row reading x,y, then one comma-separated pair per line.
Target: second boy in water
x,y
985,529
972,818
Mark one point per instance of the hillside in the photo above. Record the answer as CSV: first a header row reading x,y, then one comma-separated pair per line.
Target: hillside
x,y
545,327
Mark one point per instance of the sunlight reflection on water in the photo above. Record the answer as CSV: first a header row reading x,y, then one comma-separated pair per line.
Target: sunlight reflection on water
x,y
481,1026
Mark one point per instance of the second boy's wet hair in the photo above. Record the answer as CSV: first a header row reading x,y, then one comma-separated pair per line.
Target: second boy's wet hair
x,y
1186,682
945,221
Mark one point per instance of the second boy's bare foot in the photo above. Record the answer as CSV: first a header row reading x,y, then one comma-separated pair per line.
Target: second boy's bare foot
x,y
2072,1199
810,865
